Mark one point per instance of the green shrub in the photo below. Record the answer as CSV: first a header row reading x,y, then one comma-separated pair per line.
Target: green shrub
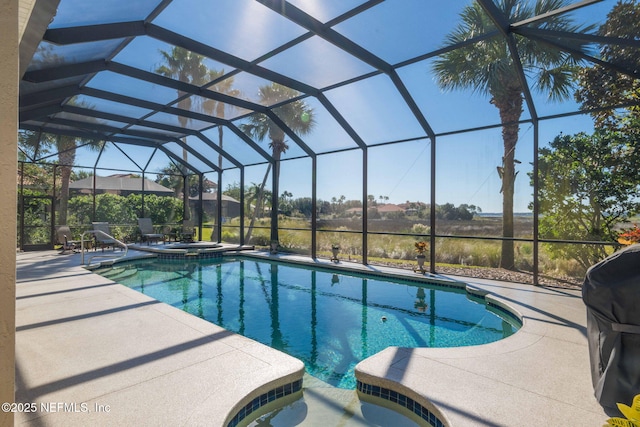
x,y
420,229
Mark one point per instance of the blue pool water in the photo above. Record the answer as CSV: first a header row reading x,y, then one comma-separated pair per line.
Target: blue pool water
x,y
329,320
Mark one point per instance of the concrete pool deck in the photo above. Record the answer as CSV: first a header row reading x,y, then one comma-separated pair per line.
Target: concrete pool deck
x,y
81,339
97,353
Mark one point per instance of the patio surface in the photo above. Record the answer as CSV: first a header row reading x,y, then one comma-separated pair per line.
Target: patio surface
x,y
539,376
116,357
81,339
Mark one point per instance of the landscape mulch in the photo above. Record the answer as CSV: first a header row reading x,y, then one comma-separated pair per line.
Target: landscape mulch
x,y
503,275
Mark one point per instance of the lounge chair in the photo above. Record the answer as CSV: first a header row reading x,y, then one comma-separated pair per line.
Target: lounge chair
x,y
63,238
187,231
146,229
103,241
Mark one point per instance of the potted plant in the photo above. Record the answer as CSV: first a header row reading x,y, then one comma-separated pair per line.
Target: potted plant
x,y
630,236
274,246
335,248
421,248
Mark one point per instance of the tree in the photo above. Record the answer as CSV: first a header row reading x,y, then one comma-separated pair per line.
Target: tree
x,y
450,212
251,198
161,209
219,108
304,206
297,115
66,147
488,68
186,66
109,207
183,65
285,204
81,174
118,209
171,177
588,184
37,176
603,89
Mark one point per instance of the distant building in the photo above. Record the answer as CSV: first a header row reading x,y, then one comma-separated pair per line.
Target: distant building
x,y
122,185
389,208
412,208
230,206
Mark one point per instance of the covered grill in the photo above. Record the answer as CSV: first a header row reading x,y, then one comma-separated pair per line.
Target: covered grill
x,y
611,292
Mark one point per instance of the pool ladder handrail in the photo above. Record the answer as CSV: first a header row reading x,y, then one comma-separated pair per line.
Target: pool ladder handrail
x,y
123,253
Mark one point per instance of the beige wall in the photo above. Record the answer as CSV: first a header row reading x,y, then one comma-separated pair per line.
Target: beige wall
x,y
8,155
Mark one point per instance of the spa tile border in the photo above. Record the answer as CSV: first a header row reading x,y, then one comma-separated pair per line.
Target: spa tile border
x,y
263,399
200,254
402,400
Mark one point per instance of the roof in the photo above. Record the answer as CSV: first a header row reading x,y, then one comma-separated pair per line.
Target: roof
x,y
416,205
119,184
389,207
96,72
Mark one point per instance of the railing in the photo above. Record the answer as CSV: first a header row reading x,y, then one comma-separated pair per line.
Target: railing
x,y
115,241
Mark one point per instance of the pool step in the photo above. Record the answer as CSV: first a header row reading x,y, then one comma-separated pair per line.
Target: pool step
x,y
118,273
323,405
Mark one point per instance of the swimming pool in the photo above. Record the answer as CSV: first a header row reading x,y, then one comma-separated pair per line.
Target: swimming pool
x,y
330,320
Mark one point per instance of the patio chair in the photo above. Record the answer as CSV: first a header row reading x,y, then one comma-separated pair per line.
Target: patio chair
x,y
188,231
103,241
146,229
63,236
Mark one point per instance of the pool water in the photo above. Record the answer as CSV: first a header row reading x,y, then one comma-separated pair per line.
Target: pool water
x,y
329,320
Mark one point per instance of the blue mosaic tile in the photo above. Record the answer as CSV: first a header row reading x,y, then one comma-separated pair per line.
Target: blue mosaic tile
x,y
263,399
183,256
402,400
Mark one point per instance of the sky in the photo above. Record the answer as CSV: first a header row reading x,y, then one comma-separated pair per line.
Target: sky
x,y
395,30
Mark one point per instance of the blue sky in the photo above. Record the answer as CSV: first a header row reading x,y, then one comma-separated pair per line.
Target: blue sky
x,y
395,30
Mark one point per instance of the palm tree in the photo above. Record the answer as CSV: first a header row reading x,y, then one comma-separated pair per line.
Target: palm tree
x,y
251,197
297,115
183,65
488,68
171,177
219,108
65,146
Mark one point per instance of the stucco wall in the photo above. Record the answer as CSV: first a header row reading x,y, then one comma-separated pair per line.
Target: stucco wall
x,y
8,155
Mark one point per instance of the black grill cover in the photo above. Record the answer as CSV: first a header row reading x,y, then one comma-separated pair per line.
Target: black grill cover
x,y
611,292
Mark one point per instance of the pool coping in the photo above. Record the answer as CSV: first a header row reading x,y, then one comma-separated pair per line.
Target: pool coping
x,y
497,384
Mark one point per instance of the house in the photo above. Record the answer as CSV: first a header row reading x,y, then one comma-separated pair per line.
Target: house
x,y
119,184
413,208
230,206
389,208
